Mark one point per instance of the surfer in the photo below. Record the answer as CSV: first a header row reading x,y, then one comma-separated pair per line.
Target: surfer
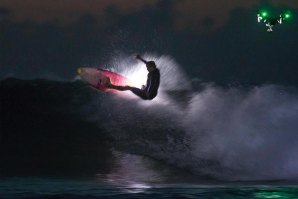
x,y
148,91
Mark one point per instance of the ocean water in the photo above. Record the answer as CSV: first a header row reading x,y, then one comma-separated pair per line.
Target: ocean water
x,y
70,188
194,140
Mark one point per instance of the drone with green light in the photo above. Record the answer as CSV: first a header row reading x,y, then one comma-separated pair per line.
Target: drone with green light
x,y
263,16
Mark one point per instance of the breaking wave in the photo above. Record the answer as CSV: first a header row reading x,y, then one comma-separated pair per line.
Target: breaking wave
x,y
197,129
223,133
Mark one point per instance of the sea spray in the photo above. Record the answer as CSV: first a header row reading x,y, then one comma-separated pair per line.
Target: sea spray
x,y
224,133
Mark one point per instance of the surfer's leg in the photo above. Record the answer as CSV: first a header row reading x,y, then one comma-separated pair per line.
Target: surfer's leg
x,y
112,86
139,92
119,88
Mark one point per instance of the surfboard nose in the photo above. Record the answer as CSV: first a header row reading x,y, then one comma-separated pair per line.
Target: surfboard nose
x,y
79,71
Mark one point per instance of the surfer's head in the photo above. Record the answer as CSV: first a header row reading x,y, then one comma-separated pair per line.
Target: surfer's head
x,y
150,65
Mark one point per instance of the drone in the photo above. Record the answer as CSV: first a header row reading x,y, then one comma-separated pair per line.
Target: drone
x,y
269,21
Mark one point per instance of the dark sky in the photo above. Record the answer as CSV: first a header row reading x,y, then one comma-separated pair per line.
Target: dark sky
x,y
218,41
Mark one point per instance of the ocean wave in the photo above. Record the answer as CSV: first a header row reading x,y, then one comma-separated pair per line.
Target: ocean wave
x,y
222,133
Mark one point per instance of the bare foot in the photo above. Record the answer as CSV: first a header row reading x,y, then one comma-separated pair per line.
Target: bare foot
x,y
107,82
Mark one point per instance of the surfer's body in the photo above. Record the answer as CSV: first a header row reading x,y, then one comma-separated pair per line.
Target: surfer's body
x,y
148,91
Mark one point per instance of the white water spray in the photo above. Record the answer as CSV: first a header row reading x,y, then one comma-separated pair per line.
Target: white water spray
x,y
228,134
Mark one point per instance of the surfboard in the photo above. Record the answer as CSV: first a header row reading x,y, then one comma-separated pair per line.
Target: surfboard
x,y
97,77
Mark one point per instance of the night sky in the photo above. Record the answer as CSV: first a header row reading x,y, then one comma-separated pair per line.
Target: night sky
x,y
215,41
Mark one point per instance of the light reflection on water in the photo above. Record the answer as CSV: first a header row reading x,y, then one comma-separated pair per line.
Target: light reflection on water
x,y
137,188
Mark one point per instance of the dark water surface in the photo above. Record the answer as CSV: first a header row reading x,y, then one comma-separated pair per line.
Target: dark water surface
x,y
66,188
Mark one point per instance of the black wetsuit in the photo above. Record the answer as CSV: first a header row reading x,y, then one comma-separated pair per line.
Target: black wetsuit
x,y
151,89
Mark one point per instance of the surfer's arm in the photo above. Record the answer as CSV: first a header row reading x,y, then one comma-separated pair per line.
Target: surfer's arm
x,y
141,59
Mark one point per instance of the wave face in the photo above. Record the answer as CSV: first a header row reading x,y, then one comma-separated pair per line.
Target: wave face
x,y
42,131
201,129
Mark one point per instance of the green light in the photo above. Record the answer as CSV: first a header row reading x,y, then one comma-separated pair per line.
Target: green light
x,y
264,14
277,194
287,15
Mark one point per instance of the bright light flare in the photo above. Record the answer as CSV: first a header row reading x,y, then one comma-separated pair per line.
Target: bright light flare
x,y
137,75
